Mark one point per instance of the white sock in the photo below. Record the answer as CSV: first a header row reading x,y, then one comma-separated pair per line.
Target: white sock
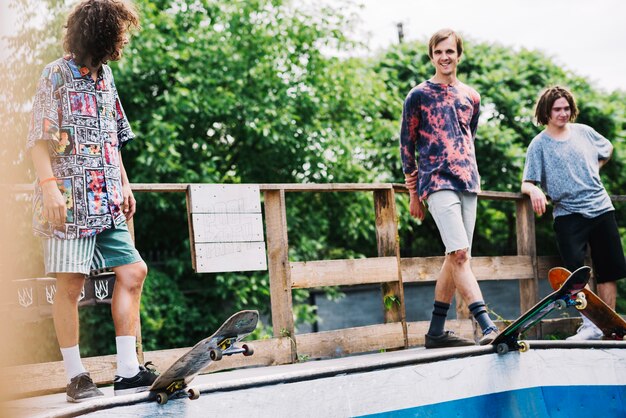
x,y
587,323
127,363
72,362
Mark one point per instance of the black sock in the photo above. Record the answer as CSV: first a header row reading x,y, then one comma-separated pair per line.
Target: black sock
x,y
438,320
479,311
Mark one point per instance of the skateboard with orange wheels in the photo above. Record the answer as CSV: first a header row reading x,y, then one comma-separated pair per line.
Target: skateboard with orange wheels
x,y
570,294
174,381
612,325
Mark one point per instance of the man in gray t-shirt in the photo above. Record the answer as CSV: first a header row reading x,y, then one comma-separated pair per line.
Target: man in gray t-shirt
x,y
563,162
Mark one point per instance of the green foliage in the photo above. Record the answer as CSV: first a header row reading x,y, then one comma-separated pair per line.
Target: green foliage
x,y
390,300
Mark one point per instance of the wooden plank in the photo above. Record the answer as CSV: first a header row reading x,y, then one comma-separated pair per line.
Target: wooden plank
x,y
351,340
192,243
160,187
217,257
45,378
304,187
279,269
346,272
225,198
425,269
326,187
485,194
269,352
387,241
227,227
545,263
525,227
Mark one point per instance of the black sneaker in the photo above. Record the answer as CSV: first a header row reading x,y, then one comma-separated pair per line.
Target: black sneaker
x,y
489,335
81,388
447,339
138,383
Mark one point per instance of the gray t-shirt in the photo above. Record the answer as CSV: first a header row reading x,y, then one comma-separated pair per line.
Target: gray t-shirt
x,y
568,171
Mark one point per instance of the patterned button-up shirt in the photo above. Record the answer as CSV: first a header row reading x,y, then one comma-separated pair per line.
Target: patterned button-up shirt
x,y
85,127
439,122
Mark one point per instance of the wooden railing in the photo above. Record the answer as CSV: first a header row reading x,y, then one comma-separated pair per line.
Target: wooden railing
x,y
388,269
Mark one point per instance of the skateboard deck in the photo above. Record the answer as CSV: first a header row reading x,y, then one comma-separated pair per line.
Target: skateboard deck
x,y
174,381
570,294
612,325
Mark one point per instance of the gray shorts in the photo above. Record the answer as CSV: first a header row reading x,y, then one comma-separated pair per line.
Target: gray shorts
x,y
110,248
455,216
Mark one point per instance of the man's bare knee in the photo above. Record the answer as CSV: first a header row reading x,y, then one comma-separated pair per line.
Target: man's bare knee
x,y
460,257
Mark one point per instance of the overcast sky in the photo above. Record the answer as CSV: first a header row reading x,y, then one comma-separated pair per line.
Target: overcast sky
x,y
587,37
584,36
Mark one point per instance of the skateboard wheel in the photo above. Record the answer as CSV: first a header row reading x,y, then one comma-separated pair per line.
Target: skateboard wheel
x,y
161,398
248,349
581,301
523,346
215,354
502,348
193,393
560,304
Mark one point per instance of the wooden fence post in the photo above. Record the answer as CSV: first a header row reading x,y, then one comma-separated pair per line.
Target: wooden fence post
x,y
278,266
526,245
388,246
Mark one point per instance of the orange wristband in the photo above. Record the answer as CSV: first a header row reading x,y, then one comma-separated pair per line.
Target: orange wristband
x,y
47,180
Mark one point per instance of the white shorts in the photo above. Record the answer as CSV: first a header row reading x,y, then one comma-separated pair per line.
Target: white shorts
x,y
455,216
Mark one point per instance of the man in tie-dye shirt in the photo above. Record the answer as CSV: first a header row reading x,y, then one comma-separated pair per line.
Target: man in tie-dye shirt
x,y
439,122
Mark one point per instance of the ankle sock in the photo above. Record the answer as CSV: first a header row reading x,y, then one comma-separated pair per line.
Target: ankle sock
x,y
438,320
72,362
479,310
127,363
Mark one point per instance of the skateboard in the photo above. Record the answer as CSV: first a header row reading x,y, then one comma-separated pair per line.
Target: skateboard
x,y
570,294
173,383
612,325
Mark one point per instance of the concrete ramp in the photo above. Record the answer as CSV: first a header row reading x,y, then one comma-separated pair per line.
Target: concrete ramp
x,y
553,379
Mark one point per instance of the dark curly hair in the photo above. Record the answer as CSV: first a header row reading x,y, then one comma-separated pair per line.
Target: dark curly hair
x,y
96,30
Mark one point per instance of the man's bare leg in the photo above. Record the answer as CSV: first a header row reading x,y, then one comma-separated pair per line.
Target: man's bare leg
x,y
65,308
444,292
65,315
608,293
125,304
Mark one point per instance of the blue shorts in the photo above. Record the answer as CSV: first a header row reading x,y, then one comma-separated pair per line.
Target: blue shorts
x,y
110,248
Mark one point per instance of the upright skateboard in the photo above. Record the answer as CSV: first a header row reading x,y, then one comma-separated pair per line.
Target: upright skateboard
x,y
612,325
173,382
570,294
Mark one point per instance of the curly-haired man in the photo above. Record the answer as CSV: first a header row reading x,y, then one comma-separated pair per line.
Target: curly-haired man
x,y
83,198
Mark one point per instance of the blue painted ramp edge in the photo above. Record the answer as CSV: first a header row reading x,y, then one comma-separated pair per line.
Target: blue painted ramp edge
x,y
537,402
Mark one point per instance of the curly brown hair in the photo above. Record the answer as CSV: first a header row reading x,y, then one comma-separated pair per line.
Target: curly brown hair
x,y
96,30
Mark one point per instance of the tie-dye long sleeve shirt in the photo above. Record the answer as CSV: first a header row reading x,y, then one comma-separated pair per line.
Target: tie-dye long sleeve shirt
x,y
85,126
439,122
